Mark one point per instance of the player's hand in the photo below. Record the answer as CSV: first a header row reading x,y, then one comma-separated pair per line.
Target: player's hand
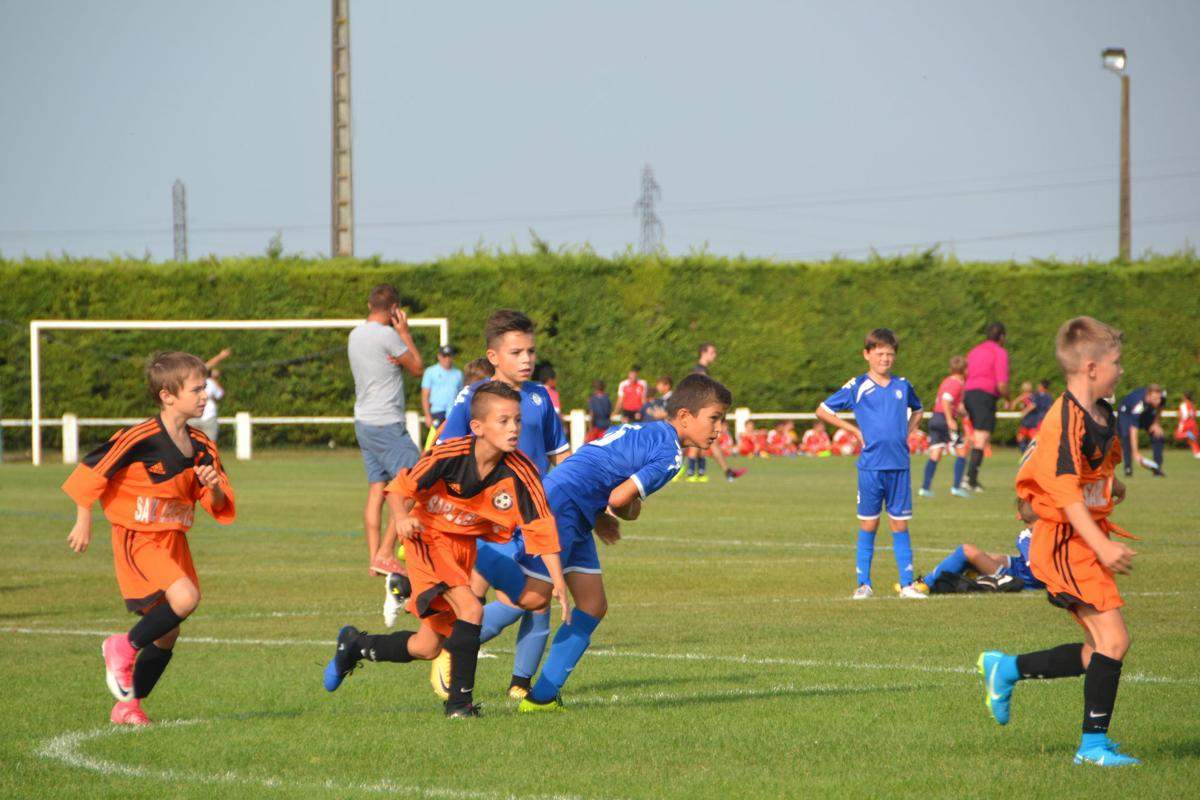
x,y
226,352
208,476
858,434
1116,557
559,593
1156,430
399,320
80,536
408,528
608,528
1118,492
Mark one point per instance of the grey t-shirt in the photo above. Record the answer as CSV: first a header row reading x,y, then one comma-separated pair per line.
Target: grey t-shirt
x,y
378,384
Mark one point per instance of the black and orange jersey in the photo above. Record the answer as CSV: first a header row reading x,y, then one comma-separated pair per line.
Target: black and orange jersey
x,y
449,495
144,483
1073,459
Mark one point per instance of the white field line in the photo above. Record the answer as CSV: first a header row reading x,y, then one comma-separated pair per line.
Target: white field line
x,y
602,653
760,543
67,749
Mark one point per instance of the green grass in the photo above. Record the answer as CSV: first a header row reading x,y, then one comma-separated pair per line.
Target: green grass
x,y
731,664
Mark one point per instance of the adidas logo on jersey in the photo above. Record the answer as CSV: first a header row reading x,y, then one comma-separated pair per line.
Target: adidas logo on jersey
x,y
157,468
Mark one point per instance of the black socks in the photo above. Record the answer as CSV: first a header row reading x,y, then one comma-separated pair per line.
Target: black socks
x,y
1100,693
1064,661
385,647
154,624
151,662
463,646
973,466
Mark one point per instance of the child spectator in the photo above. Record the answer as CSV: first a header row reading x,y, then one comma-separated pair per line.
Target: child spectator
x,y
816,441
599,412
1186,430
631,393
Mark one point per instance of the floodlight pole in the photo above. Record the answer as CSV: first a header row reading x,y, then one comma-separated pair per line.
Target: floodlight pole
x,y
1126,234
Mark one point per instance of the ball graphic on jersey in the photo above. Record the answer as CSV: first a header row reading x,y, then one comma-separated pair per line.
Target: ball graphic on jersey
x,y
502,501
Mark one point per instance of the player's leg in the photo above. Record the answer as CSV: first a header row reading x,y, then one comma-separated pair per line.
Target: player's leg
x,y
690,453
931,465
952,564
523,594
730,473
983,562
870,507
571,639
1107,630
1128,452
372,521
897,488
463,646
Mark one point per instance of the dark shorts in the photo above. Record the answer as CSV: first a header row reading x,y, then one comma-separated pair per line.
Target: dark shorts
x,y
981,408
631,415
939,431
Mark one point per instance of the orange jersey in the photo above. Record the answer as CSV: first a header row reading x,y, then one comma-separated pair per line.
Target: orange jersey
x,y
144,483
450,497
1073,459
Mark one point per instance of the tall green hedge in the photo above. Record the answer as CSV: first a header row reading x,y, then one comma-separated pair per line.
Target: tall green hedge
x,y
787,333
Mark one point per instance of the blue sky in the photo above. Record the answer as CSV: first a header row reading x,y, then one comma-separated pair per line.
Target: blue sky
x,y
791,130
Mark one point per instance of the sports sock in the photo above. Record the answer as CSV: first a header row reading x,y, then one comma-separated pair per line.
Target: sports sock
x,y
954,563
531,643
866,549
902,547
1064,661
701,464
960,466
385,647
1195,445
501,571
973,467
463,646
1100,693
152,660
570,642
154,624
691,467
496,617
930,468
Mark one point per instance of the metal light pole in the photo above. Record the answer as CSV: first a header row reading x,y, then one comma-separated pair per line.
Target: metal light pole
x,y
1114,60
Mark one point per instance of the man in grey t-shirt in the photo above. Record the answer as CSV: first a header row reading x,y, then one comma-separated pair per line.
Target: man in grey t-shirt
x,y
379,349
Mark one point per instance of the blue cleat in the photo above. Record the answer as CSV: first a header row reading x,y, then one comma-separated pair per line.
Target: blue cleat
x,y
997,685
344,660
1104,753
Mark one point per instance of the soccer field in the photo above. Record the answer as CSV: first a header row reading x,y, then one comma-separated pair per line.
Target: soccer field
x,y
731,664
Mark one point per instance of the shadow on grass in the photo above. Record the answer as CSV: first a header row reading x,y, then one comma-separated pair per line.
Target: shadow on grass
x,y
673,699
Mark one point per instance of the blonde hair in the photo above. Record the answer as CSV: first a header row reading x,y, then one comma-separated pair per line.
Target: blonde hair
x,y
169,370
1084,338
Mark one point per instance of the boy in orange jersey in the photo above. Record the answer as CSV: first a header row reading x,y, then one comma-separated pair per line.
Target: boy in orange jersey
x,y
1069,478
148,478
463,489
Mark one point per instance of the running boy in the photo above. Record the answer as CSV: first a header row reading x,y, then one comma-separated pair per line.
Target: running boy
x,y
1186,430
1069,478
604,481
887,410
944,436
148,478
474,486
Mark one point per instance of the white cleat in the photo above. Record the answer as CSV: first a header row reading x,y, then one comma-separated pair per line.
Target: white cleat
x,y
911,592
391,610
864,592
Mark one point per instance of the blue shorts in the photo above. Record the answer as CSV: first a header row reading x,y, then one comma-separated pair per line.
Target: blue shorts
x,y
1018,569
880,487
386,449
578,547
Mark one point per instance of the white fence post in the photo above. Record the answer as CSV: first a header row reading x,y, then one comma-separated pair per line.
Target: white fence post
x,y
70,436
578,428
740,417
243,429
412,423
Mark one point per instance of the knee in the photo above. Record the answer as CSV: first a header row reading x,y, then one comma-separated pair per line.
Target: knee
x,y
1115,645
869,525
970,550
185,602
595,608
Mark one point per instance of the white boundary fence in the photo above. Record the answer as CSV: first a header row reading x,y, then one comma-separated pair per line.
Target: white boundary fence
x,y
244,423
38,325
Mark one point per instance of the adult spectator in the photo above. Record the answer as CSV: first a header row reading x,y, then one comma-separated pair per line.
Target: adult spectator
x,y
380,349
1141,410
987,382
631,393
440,384
207,421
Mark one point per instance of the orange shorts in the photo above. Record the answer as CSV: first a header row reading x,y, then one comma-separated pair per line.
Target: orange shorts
x,y
436,563
1061,559
149,562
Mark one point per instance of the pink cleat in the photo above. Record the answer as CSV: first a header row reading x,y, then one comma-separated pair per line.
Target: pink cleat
x,y
129,713
119,656
387,566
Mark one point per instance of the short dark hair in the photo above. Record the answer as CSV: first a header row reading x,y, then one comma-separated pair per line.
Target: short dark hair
x,y
478,369
485,394
635,368
667,380
598,385
995,331
697,391
880,337
704,346
506,320
1044,383
383,297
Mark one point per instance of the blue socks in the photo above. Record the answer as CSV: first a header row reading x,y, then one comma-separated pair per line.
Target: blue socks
x,y
960,467
701,464
496,617
570,642
902,545
954,563
930,468
531,642
866,549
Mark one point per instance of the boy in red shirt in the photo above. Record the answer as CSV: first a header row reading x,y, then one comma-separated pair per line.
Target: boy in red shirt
x,y
816,440
631,395
148,478
1186,429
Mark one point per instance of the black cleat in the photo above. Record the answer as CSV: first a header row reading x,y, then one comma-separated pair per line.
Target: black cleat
x,y
518,689
345,658
463,712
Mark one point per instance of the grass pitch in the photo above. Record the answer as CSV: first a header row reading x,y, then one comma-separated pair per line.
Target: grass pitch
x,y
732,662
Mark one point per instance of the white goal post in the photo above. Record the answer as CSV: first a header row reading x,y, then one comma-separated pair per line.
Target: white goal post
x,y
38,325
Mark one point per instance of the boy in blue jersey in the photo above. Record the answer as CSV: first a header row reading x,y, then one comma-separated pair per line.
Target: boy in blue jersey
x,y
882,404
602,482
998,571
1141,410
511,350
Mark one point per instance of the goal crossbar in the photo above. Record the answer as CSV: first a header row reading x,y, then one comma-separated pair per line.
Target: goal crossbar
x,y
38,325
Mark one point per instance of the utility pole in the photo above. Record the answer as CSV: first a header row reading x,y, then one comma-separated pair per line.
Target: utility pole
x,y
342,189
1115,60
652,228
179,218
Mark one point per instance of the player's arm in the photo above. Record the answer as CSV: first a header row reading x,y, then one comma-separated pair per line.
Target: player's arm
x,y
625,501
1155,428
410,359
407,526
218,358
914,420
87,482
425,405
81,533
558,583
1115,556
1133,442
830,418
210,478
558,458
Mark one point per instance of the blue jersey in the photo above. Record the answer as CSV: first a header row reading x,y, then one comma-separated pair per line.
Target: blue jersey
x,y
882,415
1136,411
541,429
648,453
1041,404
1018,565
